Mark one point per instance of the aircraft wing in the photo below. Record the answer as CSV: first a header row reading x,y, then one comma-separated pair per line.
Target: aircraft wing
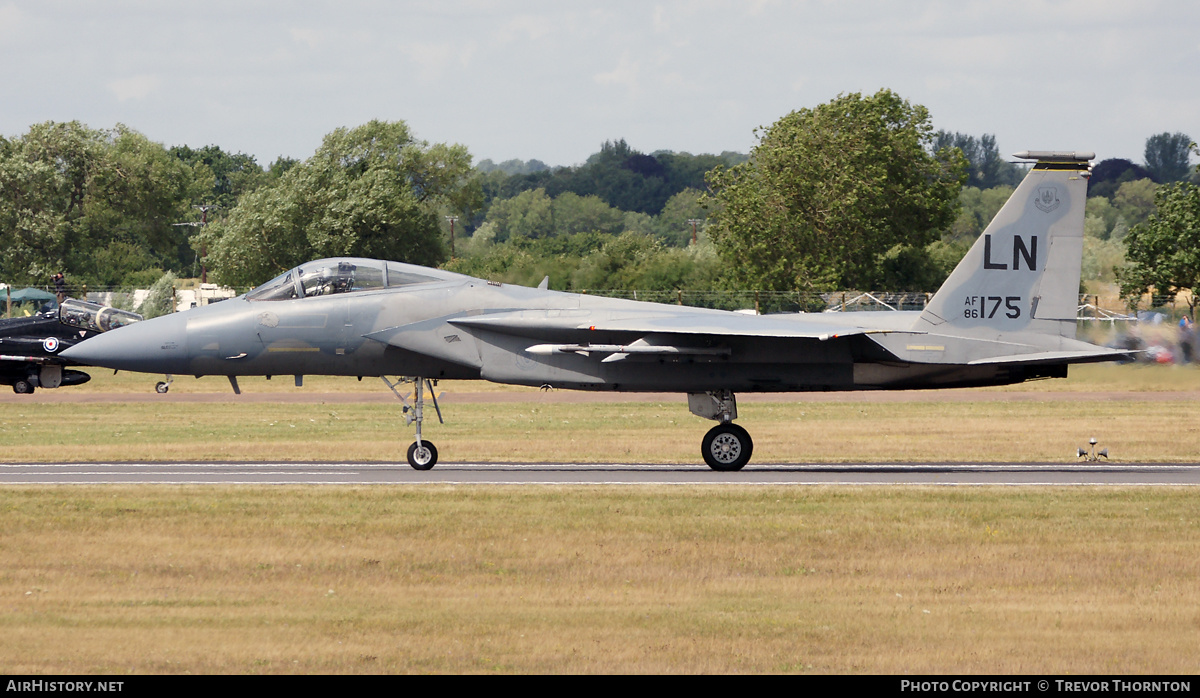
x,y
657,331
547,324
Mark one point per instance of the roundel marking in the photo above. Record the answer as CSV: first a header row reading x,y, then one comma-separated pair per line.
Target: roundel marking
x,y
50,344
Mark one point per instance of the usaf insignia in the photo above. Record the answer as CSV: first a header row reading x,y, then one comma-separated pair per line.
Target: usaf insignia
x,y
1047,199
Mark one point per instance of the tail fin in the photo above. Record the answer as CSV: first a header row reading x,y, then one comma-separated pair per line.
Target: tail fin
x,y
1022,274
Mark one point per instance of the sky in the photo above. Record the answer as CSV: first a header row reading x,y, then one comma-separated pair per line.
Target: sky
x,y
553,80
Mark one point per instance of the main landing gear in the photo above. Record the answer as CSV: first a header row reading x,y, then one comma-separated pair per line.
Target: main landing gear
x,y
727,446
422,455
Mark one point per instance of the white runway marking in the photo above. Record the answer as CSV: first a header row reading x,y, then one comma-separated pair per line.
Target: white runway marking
x,y
598,474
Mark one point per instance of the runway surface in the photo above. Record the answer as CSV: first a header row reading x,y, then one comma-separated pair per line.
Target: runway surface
x,y
1029,474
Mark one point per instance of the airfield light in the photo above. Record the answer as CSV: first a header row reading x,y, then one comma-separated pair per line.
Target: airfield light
x,y
1093,455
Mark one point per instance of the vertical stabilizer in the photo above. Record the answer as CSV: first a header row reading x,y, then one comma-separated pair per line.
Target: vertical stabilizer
x,y
1022,274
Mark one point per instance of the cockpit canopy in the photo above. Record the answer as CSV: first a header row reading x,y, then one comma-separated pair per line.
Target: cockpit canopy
x,y
94,317
343,275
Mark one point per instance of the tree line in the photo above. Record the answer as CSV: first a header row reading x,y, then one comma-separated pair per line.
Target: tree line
x,y
860,192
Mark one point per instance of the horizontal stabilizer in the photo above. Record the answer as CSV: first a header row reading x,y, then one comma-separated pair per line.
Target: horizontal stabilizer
x,y
1060,357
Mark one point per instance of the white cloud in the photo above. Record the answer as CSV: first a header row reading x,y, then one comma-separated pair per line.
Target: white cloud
x,y
135,87
626,73
661,25
11,19
531,27
434,59
309,37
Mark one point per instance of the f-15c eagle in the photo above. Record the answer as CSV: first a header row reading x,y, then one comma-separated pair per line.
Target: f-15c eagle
x,y
1005,315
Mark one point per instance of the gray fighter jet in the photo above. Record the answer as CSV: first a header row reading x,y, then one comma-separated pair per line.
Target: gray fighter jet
x,y
1005,315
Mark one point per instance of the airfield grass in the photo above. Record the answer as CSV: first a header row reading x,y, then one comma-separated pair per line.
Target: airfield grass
x,y
458,579
232,579
656,432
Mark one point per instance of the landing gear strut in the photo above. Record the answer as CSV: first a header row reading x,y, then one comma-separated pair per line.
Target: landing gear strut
x,y
726,446
422,455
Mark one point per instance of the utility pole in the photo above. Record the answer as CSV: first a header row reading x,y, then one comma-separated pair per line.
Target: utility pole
x,y
452,219
694,222
203,250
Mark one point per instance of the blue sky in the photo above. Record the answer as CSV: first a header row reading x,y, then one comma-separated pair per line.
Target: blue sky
x,y
552,80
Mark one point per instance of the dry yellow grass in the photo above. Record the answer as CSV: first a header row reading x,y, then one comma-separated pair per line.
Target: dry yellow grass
x,y
161,579
1134,430
619,579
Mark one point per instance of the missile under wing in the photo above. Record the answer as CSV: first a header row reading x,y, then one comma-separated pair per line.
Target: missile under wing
x,y
1005,315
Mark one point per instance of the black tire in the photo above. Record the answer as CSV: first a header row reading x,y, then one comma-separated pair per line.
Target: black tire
x,y
22,387
727,447
426,458
161,387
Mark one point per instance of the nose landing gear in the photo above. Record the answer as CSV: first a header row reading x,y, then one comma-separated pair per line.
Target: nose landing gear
x,y
422,454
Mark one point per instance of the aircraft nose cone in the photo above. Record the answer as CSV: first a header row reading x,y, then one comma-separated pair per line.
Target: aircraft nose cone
x,y
158,345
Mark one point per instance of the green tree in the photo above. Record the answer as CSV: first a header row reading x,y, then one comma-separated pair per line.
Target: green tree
x,y
232,175
1163,253
617,265
1109,175
640,223
1168,157
96,204
1101,259
977,208
528,214
986,168
580,214
829,191
673,226
594,261
1135,200
1101,218
512,167
160,300
371,191
621,176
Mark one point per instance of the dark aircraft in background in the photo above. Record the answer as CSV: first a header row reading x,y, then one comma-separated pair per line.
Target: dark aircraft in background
x,y
31,347
1005,315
